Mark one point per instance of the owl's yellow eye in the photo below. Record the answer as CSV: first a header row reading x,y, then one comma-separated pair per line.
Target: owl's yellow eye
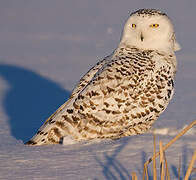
x,y
154,25
133,25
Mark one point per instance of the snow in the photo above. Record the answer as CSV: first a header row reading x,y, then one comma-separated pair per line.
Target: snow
x,y
45,47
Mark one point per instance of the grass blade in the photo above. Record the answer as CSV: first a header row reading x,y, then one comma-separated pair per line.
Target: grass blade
x,y
154,160
167,169
188,173
172,141
134,176
161,160
179,166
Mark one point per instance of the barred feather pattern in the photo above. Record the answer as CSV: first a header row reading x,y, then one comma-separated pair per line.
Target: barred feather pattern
x,y
120,96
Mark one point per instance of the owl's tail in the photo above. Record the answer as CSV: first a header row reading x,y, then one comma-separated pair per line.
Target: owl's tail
x,y
47,134
51,132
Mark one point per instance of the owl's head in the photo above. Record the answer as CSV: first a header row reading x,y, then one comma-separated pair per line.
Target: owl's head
x,y
150,29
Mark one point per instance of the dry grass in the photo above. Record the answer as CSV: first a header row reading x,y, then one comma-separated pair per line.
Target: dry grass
x,y
164,170
134,176
179,165
154,160
188,173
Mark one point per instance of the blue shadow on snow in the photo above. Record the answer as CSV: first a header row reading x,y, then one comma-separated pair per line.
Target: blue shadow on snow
x,y
30,100
113,169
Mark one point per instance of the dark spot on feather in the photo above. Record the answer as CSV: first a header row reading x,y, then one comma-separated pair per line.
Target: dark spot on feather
x,y
133,116
110,77
169,93
52,140
106,104
60,124
147,111
159,97
76,119
107,110
81,108
70,111
143,114
75,105
156,110
119,100
67,119
161,106
172,83
31,142
110,89
80,97
151,109
100,77
127,103
116,112
138,115
117,63
119,105
117,77
94,93
51,122
104,92
93,108
122,69
57,132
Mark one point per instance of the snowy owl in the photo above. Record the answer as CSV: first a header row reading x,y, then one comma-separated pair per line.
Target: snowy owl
x,y
124,93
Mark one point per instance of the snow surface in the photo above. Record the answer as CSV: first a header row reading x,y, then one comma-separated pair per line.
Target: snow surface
x,y
45,47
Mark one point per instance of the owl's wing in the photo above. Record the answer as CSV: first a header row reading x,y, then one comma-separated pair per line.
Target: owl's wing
x,y
88,77
81,85
123,98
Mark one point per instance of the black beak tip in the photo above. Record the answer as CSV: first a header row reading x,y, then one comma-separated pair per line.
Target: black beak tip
x,y
142,37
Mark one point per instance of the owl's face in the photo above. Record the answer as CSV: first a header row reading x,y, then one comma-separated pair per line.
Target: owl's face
x,y
150,31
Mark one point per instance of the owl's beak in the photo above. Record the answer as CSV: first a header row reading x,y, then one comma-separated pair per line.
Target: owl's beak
x,y
141,37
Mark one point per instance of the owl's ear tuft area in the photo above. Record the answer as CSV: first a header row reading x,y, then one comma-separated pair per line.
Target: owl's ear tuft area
x,y
177,46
